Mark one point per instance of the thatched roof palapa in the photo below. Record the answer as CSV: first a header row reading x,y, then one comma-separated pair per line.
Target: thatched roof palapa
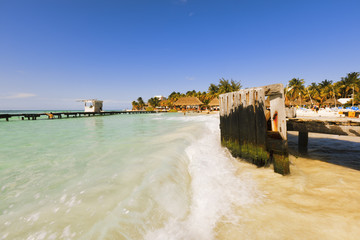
x,y
214,102
188,101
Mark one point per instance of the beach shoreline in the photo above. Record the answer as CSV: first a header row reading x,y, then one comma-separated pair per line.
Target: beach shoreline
x,y
318,200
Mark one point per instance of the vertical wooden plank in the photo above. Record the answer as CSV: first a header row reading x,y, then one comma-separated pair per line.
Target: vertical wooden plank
x,y
278,123
303,139
260,122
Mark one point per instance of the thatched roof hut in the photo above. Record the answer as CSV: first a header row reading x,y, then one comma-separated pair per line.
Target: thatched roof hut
x,y
188,101
214,102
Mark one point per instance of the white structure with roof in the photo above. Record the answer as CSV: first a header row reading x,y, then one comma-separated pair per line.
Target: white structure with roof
x,y
93,105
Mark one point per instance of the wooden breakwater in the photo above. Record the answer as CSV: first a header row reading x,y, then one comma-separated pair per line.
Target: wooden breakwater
x,y
35,116
336,126
253,131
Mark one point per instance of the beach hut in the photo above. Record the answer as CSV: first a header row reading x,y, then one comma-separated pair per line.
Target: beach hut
x,y
214,104
93,105
190,103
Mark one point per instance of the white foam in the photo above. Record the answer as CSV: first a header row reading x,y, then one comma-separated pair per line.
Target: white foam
x,y
215,189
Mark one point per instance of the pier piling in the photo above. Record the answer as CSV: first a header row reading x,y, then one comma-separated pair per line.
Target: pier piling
x,y
303,142
246,131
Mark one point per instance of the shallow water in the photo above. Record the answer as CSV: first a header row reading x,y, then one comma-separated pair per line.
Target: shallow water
x,y
160,176
116,177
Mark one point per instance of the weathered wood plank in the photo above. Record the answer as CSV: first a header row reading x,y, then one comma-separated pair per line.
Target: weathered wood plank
x,y
273,89
340,127
243,126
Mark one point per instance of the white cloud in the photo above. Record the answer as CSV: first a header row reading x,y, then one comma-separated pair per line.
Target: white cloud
x,y
190,78
19,95
191,14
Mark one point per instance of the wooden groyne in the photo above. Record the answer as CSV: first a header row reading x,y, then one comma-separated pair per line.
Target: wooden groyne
x,y
253,131
34,116
336,126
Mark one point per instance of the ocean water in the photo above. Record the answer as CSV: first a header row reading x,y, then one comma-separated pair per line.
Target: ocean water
x,y
158,176
166,176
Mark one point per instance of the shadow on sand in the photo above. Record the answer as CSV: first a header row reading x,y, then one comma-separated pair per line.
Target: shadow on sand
x,y
339,150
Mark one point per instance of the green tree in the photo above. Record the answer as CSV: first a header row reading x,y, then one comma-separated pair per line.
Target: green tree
x,y
213,90
314,91
296,88
141,103
191,93
228,86
135,105
326,90
236,86
154,102
349,83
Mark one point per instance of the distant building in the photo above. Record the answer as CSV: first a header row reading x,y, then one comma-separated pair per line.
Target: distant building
x,y
93,105
214,104
160,97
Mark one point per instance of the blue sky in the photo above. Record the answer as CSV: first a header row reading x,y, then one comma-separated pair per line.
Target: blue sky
x,y
53,52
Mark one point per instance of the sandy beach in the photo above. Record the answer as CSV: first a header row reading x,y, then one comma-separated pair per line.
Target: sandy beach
x,y
318,200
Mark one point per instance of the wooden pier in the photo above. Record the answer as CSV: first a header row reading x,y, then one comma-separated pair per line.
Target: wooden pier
x,y
34,116
255,128
335,126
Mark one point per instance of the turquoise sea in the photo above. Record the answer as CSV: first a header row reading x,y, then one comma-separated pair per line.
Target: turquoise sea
x,y
155,176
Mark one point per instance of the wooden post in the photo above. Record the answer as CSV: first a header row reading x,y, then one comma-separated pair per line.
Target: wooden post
x,y
243,126
279,150
303,142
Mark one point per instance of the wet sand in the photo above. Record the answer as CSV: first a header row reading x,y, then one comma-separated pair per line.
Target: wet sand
x,y
320,199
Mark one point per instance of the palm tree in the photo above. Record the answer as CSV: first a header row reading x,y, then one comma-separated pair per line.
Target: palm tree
x,y
213,90
154,102
326,90
236,86
296,88
141,103
348,84
191,93
314,91
135,105
226,86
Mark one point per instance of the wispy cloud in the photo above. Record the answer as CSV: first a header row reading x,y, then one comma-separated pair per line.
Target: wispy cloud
x,y
183,1
19,95
191,14
190,78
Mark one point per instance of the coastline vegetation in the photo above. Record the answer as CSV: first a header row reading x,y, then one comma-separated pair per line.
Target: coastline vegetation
x,y
346,87
317,93
214,90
